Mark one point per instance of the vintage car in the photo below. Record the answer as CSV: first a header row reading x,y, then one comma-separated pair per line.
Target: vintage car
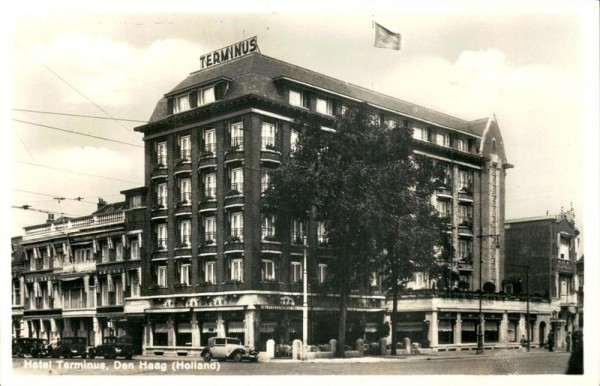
x,y
228,348
115,346
34,347
70,347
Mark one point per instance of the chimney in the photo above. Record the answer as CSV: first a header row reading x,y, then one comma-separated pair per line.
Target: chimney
x,y
50,219
101,203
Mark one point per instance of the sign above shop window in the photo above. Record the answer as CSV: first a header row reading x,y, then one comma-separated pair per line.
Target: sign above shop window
x,y
228,53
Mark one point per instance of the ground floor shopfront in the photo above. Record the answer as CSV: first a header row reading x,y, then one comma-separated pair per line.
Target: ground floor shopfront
x,y
453,324
182,325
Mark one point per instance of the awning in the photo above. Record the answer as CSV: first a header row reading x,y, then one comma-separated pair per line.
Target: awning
x,y
370,327
410,326
491,326
160,328
445,325
184,328
235,327
204,309
209,327
267,327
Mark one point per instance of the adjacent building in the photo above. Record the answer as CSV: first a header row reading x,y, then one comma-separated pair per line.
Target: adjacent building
x,y
77,272
546,248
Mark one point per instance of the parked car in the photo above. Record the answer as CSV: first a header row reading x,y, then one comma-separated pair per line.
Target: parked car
x,y
34,347
115,346
228,348
70,347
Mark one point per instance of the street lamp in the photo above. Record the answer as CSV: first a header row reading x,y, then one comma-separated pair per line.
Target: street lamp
x,y
305,301
481,318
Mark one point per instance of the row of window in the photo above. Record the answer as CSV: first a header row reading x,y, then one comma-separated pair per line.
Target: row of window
x,y
465,179
270,140
236,231
465,212
77,298
443,138
235,270
107,252
208,187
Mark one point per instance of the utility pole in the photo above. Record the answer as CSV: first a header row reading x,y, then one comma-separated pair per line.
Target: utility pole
x,y
305,302
527,297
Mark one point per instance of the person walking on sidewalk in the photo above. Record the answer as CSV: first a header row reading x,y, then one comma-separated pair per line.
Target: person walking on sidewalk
x,y
550,341
568,339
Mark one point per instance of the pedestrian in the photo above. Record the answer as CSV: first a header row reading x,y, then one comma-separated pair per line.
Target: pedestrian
x,y
568,339
523,341
550,341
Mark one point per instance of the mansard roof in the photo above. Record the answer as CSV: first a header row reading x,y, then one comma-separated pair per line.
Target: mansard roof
x,y
257,74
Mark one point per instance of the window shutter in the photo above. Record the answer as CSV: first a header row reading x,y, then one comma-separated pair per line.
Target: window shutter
x,y
193,99
170,106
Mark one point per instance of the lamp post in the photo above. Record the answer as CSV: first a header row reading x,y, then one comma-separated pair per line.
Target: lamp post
x,y
304,302
527,324
481,318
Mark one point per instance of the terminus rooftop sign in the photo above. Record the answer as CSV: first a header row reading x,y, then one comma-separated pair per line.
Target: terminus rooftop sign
x,y
228,53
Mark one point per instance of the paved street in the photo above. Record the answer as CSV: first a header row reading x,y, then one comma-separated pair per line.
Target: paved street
x,y
492,363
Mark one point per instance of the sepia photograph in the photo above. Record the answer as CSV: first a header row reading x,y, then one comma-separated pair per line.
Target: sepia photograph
x,y
401,190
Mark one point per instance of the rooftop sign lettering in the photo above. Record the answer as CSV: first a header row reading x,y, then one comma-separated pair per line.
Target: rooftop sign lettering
x,y
228,53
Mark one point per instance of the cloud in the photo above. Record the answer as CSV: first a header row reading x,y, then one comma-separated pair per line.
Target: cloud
x,y
109,72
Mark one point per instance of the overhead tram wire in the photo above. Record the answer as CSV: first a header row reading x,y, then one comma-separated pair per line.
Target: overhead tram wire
x,y
29,208
79,115
78,133
73,87
54,196
77,172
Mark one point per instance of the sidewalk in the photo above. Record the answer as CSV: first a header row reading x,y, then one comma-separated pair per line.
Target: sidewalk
x,y
401,357
422,356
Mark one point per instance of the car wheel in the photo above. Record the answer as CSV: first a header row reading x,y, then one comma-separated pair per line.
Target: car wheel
x,y
237,357
128,356
92,355
207,356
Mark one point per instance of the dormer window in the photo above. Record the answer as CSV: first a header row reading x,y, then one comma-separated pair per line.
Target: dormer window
x,y
420,133
194,98
298,98
324,106
181,103
442,139
206,96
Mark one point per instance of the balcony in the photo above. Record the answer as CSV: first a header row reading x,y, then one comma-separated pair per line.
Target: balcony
x,y
183,166
444,192
86,266
183,208
159,211
270,151
235,152
159,172
73,225
465,265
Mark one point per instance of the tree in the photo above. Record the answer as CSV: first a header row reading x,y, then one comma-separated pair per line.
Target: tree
x,y
364,181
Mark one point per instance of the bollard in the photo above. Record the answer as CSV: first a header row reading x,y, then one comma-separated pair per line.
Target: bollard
x,y
271,348
360,347
383,346
406,343
332,346
297,349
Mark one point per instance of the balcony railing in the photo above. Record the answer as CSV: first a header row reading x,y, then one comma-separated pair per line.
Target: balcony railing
x,y
76,223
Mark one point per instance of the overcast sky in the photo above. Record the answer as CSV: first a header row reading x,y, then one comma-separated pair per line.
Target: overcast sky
x,y
525,65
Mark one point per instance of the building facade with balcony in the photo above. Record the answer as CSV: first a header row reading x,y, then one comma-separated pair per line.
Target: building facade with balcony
x,y
548,246
217,265
78,272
